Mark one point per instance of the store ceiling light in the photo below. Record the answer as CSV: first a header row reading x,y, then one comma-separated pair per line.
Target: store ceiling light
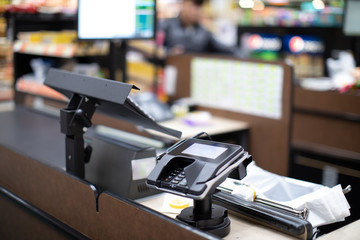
x,y
246,3
318,4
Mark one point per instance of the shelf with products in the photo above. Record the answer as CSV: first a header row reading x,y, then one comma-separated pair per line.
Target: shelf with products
x,y
63,50
53,38
5,60
289,17
38,89
62,43
223,18
148,48
50,38
327,40
25,16
333,36
30,76
24,22
6,70
144,62
70,56
301,20
6,78
35,6
22,25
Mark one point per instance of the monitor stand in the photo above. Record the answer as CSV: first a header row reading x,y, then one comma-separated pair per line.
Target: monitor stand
x,y
113,60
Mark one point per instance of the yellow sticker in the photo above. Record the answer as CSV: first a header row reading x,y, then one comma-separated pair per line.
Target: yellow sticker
x,y
179,203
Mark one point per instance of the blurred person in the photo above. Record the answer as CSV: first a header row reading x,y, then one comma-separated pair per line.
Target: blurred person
x,y
184,34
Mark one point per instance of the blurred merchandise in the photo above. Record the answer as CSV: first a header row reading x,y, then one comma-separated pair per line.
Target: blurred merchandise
x,y
29,86
58,43
167,8
261,46
306,54
342,71
141,70
6,70
291,17
34,82
65,36
356,75
344,76
289,14
43,6
2,26
317,84
90,69
6,67
149,48
6,91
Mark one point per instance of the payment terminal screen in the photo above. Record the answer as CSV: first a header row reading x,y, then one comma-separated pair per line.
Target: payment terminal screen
x,y
203,150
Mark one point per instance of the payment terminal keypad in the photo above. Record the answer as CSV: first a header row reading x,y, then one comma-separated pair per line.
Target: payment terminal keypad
x,y
195,167
176,179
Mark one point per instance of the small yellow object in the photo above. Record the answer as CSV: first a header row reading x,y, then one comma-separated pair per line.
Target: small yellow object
x,y
179,203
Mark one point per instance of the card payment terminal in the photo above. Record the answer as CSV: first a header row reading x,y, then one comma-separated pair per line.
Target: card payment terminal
x,y
194,168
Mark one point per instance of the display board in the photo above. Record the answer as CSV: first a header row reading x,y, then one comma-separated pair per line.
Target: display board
x,y
246,87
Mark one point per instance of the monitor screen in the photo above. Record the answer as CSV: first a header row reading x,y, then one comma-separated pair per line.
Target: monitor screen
x,y
114,19
351,26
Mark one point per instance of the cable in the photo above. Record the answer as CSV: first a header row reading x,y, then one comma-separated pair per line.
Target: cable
x,y
202,133
181,141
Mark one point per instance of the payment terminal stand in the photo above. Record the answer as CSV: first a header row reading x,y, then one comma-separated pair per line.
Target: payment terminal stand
x,y
194,168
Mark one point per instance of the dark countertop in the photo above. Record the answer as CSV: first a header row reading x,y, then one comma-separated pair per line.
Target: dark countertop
x,y
28,132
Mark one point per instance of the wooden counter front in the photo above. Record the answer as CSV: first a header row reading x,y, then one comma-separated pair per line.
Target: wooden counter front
x,y
327,118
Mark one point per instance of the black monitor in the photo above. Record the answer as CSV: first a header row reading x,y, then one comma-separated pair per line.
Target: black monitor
x,y
116,19
351,25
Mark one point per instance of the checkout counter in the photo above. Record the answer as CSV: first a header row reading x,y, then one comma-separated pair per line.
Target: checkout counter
x,y
39,196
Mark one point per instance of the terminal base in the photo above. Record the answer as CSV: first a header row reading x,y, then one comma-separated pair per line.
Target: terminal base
x,y
210,218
